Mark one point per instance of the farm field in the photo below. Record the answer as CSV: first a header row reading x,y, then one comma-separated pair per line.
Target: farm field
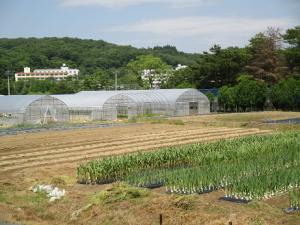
x,y
247,168
52,156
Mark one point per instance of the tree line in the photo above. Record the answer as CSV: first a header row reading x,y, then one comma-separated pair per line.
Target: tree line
x,y
250,95
271,78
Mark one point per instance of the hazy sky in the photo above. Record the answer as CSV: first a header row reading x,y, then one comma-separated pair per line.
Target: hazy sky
x,y
190,25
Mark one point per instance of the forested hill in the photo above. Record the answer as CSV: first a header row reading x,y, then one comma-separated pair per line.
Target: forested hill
x,y
85,54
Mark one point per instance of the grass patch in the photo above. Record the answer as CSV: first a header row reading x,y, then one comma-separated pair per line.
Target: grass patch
x,y
69,180
176,122
185,202
38,202
58,182
3,197
216,209
38,198
258,221
122,116
255,119
133,119
166,121
117,193
155,119
6,192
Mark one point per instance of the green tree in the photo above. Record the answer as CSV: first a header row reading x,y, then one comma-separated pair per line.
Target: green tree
x,y
98,81
182,78
292,52
227,99
219,67
250,94
286,94
247,95
3,87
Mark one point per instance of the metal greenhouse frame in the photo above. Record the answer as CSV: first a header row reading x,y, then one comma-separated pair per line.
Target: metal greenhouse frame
x,y
186,102
88,106
133,103
32,109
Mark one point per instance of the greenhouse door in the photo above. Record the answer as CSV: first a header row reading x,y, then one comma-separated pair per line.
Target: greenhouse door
x,y
193,107
48,116
122,111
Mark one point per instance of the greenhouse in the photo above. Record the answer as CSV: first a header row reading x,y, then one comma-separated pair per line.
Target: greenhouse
x,y
32,109
170,102
133,103
184,102
101,105
88,106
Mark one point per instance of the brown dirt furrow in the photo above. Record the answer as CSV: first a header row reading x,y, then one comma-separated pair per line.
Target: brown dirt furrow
x,y
54,145
4,153
109,146
108,143
130,149
43,139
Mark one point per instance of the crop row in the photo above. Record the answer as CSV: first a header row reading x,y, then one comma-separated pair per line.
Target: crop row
x,y
247,168
117,167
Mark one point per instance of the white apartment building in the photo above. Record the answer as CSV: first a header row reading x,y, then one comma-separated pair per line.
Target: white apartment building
x,y
42,74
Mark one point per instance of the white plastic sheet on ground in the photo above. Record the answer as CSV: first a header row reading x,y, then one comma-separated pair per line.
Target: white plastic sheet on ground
x,y
52,191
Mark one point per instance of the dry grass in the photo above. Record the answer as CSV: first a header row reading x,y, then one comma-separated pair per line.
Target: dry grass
x,y
246,120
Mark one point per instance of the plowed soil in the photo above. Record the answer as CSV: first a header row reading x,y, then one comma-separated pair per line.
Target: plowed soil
x,y
56,148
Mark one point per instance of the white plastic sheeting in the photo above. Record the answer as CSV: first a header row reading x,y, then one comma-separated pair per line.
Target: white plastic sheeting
x,y
53,192
88,107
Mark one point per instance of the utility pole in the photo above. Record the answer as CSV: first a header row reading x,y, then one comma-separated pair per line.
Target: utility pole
x,y
8,84
116,80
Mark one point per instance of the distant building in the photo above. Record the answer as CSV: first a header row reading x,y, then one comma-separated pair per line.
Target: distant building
x,y
180,67
42,74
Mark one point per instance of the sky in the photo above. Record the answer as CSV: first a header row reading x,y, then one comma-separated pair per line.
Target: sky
x,y
190,25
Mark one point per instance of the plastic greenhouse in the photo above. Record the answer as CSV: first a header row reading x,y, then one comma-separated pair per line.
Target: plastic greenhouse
x,y
171,102
137,103
88,106
101,105
32,109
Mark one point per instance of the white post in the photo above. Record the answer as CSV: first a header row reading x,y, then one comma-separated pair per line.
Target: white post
x,y
116,80
8,84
